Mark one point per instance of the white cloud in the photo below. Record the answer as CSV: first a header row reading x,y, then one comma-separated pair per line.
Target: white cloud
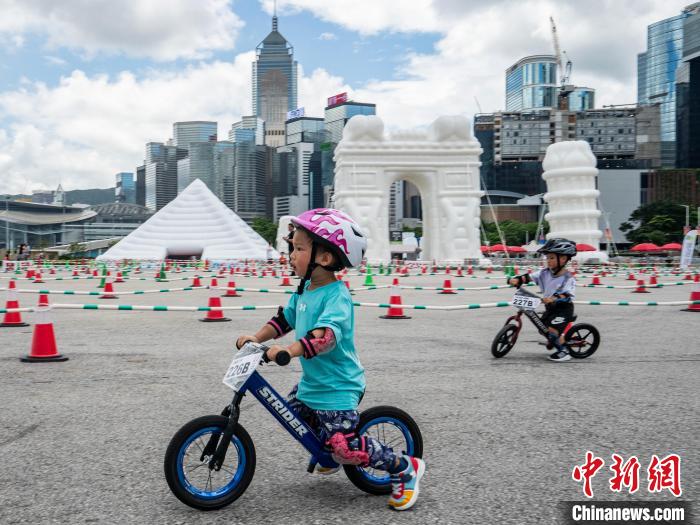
x,y
84,130
56,61
159,29
327,36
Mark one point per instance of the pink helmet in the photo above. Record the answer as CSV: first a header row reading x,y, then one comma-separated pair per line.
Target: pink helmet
x,y
337,231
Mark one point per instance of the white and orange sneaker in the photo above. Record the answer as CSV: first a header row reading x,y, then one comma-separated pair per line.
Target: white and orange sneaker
x,y
404,484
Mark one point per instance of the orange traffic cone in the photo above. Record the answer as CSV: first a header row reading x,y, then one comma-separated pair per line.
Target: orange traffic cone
x,y
447,288
395,309
215,316
694,296
108,291
231,290
43,340
12,318
287,282
640,287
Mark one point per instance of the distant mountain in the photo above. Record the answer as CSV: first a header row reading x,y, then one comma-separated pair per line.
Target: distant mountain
x,y
91,196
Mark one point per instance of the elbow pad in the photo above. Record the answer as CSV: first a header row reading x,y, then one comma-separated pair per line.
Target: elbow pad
x,y
314,345
280,324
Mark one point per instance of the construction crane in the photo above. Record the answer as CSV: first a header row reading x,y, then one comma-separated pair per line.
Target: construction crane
x,y
564,71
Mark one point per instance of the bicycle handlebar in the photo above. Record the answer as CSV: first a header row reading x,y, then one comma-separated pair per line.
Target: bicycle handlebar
x,y
281,359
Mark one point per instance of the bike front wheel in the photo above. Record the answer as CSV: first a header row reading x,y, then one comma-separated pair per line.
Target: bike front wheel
x,y
582,340
505,340
187,464
393,428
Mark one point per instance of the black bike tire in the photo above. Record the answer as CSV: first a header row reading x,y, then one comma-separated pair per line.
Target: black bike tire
x,y
170,463
496,340
593,347
355,474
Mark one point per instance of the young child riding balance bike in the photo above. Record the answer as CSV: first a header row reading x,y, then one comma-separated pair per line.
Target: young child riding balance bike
x,y
558,287
332,381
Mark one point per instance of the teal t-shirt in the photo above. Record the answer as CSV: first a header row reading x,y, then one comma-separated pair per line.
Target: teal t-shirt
x,y
333,380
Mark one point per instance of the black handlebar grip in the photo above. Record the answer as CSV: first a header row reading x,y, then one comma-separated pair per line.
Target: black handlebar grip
x,y
283,358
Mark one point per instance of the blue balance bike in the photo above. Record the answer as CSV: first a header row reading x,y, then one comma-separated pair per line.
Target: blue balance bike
x,y
210,461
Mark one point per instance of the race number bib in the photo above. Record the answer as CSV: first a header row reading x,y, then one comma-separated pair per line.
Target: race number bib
x,y
241,368
525,302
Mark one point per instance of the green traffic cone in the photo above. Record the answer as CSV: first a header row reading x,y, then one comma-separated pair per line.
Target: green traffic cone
x,y
368,279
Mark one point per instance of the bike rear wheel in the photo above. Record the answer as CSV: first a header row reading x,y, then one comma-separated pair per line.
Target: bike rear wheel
x,y
394,428
187,468
582,340
505,340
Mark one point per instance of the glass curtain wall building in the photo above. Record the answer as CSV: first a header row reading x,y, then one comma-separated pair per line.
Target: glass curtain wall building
x,y
657,75
185,133
161,173
125,188
531,83
249,181
274,84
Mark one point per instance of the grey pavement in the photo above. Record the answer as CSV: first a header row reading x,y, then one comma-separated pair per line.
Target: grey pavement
x,y
83,441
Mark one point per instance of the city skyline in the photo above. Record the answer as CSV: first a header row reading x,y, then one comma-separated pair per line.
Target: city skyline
x,y
83,126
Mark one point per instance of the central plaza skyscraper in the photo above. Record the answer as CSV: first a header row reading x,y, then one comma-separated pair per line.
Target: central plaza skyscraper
x,y
274,84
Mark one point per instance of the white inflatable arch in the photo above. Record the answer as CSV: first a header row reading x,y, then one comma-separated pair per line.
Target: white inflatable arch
x,y
442,162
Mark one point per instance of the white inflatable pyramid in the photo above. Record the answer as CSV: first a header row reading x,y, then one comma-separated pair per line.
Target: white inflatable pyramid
x,y
195,223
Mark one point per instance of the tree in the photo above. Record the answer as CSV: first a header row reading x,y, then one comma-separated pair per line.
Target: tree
x,y
515,233
658,222
266,229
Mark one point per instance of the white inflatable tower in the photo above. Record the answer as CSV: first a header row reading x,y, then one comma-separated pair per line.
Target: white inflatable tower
x,y
442,162
570,173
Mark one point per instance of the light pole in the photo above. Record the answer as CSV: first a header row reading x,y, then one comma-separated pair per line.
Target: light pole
x,y
686,229
7,224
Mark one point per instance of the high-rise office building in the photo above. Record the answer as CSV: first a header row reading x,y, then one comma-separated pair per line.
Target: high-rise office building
x,y
161,173
274,84
251,169
656,74
125,188
531,83
194,131
141,185
688,97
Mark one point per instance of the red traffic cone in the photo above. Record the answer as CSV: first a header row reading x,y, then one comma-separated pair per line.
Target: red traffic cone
x,y
43,300
231,290
694,296
596,280
447,270
688,277
120,278
108,291
424,269
287,282
489,269
196,282
697,277
395,309
447,288
652,279
43,340
215,316
459,272
75,272
640,287
630,277
52,271
214,283
29,274
37,278
12,318
470,270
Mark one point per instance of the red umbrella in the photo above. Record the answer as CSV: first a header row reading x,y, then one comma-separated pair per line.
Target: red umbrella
x,y
672,247
645,247
584,248
515,249
498,248
484,249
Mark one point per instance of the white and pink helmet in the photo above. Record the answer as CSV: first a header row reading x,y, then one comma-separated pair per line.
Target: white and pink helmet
x,y
337,231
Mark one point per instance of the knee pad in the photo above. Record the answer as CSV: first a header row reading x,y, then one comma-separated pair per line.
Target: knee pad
x,y
342,453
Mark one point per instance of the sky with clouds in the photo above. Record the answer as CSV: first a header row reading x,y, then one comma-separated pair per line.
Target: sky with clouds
x,y
84,85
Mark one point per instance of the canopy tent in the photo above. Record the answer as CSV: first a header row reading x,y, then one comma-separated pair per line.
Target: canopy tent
x,y
196,223
645,247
